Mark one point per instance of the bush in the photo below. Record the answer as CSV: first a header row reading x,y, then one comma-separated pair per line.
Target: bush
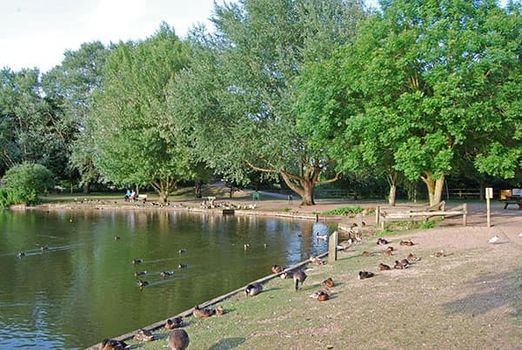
x,y
344,211
22,184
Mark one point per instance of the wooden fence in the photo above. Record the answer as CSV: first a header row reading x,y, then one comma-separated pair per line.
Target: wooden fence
x,y
384,215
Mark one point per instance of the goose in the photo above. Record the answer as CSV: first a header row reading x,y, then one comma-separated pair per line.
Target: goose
x,y
182,266
299,278
178,339
181,251
144,335
166,274
137,261
142,284
20,254
382,241
140,273
44,248
174,323
116,238
253,289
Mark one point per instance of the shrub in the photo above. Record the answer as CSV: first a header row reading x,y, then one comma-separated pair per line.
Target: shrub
x,y
344,211
22,184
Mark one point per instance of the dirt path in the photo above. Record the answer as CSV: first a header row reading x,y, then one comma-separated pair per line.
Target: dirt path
x,y
469,299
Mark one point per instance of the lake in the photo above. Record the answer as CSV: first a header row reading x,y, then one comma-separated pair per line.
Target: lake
x,y
82,288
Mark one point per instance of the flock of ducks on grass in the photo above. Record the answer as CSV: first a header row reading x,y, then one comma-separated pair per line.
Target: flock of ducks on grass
x,y
178,338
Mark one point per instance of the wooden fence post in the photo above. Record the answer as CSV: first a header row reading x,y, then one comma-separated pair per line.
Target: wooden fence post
x,y
377,215
333,241
465,214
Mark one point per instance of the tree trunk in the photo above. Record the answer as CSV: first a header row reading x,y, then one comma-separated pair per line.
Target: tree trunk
x,y
434,186
308,193
164,187
86,188
392,182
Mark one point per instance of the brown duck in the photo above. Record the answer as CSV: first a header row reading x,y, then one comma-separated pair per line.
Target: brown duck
x,y
111,344
144,335
174,323
399,265
328,283
384,267
407,242
277,269
178,339
365,274
202,313
220,311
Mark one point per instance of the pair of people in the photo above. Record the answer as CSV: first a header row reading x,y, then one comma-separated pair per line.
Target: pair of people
x,y
130,196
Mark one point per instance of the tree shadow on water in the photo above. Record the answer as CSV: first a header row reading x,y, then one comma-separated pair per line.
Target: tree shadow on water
x,y
227,343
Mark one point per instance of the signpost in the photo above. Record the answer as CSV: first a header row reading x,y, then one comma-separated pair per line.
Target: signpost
x,y
489,196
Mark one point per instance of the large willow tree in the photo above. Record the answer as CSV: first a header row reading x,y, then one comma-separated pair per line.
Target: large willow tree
x,y
425,85
126,124
236,101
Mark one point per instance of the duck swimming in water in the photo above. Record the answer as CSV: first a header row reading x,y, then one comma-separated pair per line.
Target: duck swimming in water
x,y
20,254
142,284
44,248
140,273
174,323
178,339
166,274
137,261
182,266
144,335
253,289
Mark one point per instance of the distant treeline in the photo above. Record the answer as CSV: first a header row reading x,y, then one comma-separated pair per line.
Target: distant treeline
x,y
304,92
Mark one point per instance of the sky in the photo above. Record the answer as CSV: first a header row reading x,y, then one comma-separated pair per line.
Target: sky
x,y
36,33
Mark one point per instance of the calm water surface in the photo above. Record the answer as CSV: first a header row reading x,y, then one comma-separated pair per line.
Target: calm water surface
x,y
83,289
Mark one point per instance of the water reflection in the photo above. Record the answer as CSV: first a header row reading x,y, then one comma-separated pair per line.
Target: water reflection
x,y
82,289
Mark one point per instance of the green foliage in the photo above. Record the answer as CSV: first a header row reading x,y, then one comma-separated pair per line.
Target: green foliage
x,y
22,184
425,225
127,124
236,101
423,85
343,211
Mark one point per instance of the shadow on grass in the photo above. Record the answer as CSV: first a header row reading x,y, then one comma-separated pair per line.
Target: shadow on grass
x,y
492,291
227,343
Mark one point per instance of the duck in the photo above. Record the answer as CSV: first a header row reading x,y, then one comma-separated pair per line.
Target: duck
x,y
388,251
20,254
322,237
366,253
253,289
202,313
299,277
142,284
399,265
137,261
365,274
320,295
407,242
220,311
277,269
140,273
440,253
494,239
384,267
412,257
178,339
316,261
166,274
176,322
382,241
143,335
182,266
345,245
111,344
328,283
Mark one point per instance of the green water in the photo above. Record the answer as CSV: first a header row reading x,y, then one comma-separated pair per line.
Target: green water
x,y
82,289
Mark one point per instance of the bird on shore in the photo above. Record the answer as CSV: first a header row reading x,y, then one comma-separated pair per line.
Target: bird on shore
x,y
253,289
388,251
20,254
220,311
382,241
178,339
399,265
299,277
494,239
144,335
176,322
345,245
413,258
384,267
166,274
202,313
277,269
320,295
439,254
328,283
407,242
365,274
137,261
140,273
316,261
111,344
142,284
